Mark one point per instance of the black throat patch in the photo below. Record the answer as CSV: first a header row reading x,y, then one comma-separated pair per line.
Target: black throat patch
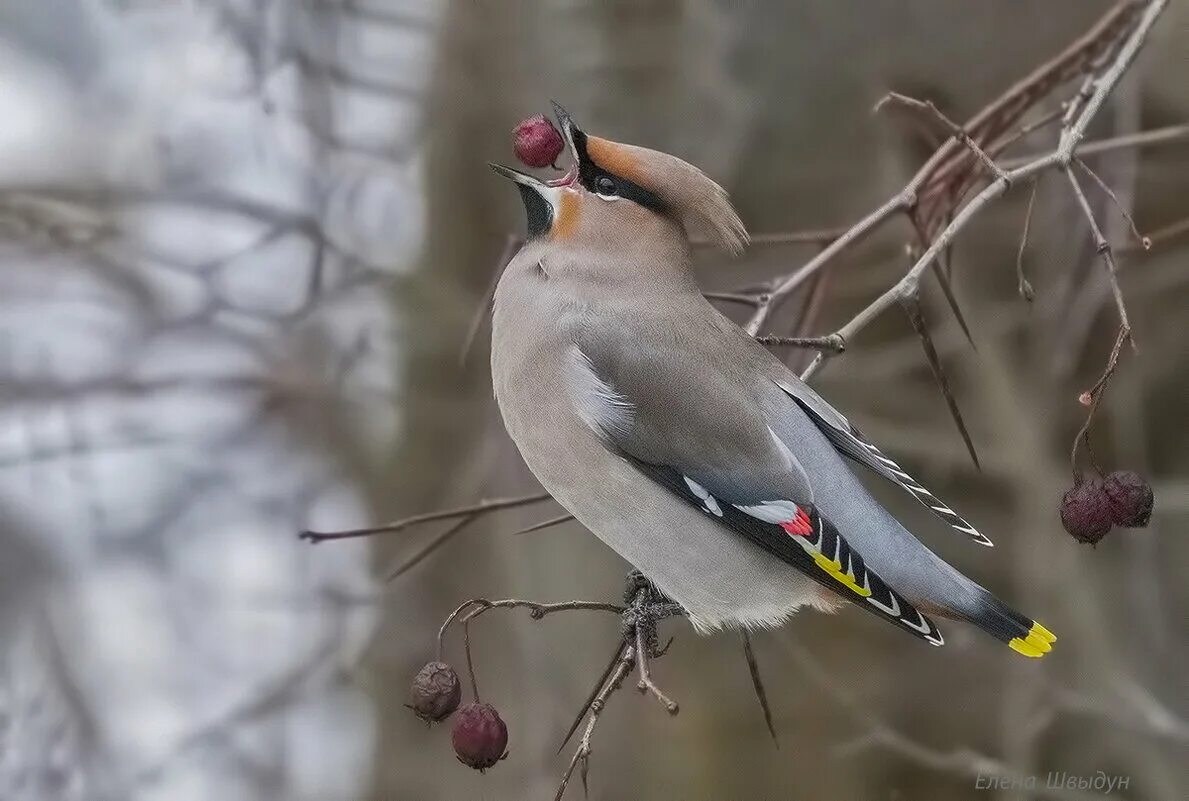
x,y
537,210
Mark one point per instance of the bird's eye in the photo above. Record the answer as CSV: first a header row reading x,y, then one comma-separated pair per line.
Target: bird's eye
x,y
604,185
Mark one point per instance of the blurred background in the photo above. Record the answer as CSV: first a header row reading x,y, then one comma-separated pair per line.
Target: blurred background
x,y
241,242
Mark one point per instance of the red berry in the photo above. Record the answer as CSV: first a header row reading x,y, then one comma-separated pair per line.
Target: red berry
x,y
536,142
435,692
1086,511
1130,497
480,738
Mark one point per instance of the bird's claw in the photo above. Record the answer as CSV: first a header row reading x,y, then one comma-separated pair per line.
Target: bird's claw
x,y
646,606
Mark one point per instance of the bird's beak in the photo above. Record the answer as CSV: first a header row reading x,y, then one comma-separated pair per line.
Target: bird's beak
x,y
541,199
570,132
522,178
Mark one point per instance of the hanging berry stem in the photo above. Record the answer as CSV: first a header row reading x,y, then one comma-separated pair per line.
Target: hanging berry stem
x,y
1092,397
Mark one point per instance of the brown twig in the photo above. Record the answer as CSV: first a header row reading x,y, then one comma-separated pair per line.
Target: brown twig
x,y
757,684
1143,241
621,667
475,607
512,245
733,297
916,316
553,521
481,508
1092,397
1102,247
646,684
1163,234
418,556
594,692
536,609
831,344
1134,141
933,114
1023,286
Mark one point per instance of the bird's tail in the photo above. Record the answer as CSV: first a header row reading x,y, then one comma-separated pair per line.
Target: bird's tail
x,y
1021,633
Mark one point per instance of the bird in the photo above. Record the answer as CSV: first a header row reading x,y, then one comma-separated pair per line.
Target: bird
x,y
681,442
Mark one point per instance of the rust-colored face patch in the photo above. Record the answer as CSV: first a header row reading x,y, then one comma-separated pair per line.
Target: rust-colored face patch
x,y
613,158
566,216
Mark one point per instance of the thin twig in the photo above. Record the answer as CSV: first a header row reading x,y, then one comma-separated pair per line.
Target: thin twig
x,y
912,305
1163,234
1143,241
581,756
757,684
409,562
1092,397
512,245
1022,283
594,693
1156,136
933,114
733,297
831,344
483,507
646,684
553,521
478,606
1102,247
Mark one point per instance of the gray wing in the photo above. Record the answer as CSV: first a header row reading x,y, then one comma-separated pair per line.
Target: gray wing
x,y
694,430
681,411
849,441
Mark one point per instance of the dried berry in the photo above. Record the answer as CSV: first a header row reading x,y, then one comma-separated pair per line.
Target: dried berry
x,y
435,692
1130,497
480,738
537,142
1086,511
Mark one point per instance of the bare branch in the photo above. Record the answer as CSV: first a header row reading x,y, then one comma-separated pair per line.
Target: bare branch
x,y
553,521
409,562
915,316
646,684
831,344
481,508
933,114
1143,241
757,684
1092,397
1157,136
1022,283
512,245
623,666
1103,247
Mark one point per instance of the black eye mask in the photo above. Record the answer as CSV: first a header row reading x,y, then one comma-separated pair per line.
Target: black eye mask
x,y
595,179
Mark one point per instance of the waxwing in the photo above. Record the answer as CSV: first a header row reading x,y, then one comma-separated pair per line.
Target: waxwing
x,y
677,439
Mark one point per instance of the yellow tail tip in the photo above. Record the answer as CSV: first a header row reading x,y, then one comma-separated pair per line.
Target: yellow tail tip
x,y
1043,632
1026,648
1038,642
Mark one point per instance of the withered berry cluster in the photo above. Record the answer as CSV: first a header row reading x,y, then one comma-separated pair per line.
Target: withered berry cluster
x,y
1094,504
479,735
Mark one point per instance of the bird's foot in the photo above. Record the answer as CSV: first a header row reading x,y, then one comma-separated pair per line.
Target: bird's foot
x,y
647,606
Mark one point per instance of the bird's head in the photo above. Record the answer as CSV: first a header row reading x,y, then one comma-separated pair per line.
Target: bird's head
x,y
614,191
